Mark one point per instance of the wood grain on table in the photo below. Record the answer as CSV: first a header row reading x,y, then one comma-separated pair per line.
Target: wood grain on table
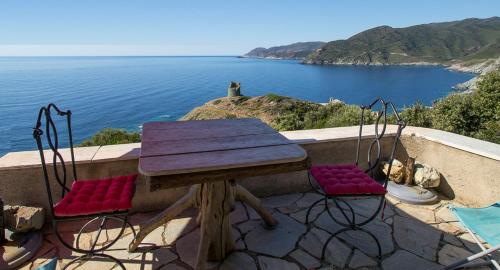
x,y
217,147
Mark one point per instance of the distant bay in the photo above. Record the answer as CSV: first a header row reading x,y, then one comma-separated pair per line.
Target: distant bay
x,y
124,92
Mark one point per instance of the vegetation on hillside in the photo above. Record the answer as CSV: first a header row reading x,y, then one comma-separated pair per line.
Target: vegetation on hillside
x,y
467,41
297,50
280,112
109,136
476,114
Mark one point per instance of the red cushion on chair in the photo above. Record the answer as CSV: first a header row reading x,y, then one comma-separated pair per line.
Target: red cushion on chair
x,y
88,197
346,179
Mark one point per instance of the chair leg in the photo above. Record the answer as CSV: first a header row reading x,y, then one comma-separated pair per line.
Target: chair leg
x,y
325,245
103,222
130,226
93,251
87,257
379,248
323,250
351,224
316,189
474,257
311,207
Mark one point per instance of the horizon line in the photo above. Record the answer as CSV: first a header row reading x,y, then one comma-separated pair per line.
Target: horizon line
x,y
119,56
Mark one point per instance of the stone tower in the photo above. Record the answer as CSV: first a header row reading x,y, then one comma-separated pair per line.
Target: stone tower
x,y
234,89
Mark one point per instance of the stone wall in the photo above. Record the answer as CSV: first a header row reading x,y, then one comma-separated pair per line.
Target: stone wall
x,y
470,168
470,174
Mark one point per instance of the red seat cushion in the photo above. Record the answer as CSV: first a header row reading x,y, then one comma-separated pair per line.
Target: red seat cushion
x,y
88,197
346,179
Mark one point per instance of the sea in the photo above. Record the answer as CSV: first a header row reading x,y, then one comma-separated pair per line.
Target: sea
x,y
125,92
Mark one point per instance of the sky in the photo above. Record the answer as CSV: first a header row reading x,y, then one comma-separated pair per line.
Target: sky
x,y
208,27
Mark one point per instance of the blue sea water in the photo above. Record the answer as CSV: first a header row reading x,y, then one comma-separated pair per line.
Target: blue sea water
x,y
124,92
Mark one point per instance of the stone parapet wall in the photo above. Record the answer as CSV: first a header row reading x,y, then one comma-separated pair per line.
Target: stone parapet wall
x,y
470,167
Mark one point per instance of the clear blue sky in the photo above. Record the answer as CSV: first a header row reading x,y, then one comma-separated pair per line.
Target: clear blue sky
x,y
209,27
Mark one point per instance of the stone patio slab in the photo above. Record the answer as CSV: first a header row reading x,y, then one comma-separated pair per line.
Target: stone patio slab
x,y
268,263
276,242
416,237
405,260
360,239
450,254
238,260
305,259
292,245
281,201
359,259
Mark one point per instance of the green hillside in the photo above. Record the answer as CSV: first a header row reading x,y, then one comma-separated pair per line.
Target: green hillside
x,y
476,114
469,40
297,50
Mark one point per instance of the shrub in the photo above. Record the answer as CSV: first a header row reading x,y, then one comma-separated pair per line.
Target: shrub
x,y
336,115
417,115
349,115
109,136
476,115
489,132
486,99
275,98
454,113
486,103
289,121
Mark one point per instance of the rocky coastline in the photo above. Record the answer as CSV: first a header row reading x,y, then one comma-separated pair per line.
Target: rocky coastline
x,y
362,63
479,68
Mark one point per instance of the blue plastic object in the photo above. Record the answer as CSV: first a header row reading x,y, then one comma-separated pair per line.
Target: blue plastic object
x,y
484,222
51,265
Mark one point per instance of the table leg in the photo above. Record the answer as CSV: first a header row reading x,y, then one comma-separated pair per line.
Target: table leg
x,y
187,201
242,194
215,201
216,237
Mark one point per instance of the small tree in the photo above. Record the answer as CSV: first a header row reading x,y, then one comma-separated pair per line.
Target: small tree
x,y
486,103
455,113
490,132
417,115
349,115
486,99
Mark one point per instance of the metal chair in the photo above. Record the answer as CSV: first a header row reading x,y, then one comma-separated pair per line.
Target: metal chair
x,y
99,201
341,182
483,222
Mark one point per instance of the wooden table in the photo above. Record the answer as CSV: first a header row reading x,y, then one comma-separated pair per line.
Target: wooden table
x,y
209,155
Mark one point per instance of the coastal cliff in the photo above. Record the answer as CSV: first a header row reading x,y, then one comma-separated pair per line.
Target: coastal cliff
x,y
470,45
464,42
298,50
481,68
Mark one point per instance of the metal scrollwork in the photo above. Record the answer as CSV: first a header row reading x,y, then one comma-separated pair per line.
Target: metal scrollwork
x,y
352,221
60,174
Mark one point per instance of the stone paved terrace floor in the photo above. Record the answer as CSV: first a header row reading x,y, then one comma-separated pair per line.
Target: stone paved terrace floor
x,y
412,237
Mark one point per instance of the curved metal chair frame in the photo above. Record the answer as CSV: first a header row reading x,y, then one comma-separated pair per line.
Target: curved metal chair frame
x,y
348,213
61,177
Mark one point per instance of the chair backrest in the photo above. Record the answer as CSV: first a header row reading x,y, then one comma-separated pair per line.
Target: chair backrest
x,y
53,143
380,130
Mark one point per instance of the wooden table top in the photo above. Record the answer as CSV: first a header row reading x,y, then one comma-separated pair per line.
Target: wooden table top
x,y
231,146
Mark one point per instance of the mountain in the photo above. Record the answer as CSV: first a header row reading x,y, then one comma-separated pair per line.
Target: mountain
x,y
297,50
467,41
